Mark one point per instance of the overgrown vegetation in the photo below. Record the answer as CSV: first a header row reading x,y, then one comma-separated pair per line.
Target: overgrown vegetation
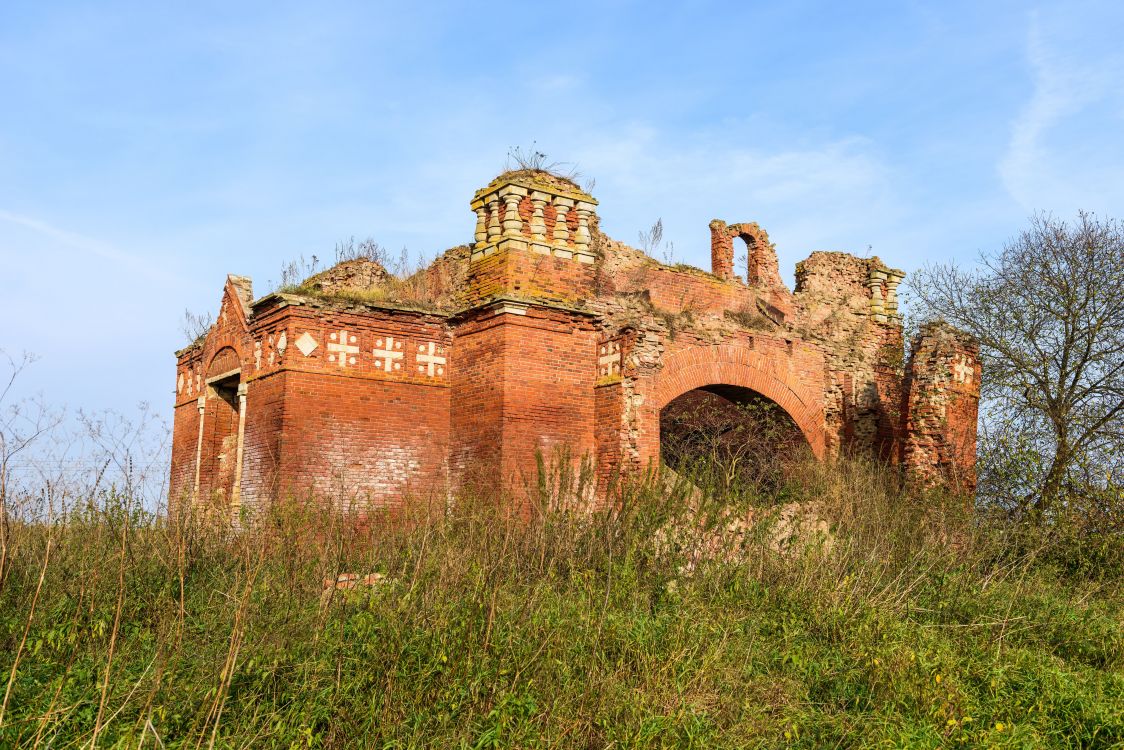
x,y
732,440
917,625
750,318
399,280
530,159
677,616
651,242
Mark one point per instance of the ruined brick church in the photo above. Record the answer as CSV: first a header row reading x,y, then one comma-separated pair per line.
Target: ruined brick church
x,y
543,337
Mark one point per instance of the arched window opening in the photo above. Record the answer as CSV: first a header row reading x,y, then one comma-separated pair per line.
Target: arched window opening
x,y
731,437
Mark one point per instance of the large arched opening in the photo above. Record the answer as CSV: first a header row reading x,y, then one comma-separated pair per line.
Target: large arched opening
x,y
731,436
767,393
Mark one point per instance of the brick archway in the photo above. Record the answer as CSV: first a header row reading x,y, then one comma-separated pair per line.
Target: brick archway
x,y
740,366
224,360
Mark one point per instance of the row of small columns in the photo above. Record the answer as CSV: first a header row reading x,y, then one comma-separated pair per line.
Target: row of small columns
x,y
884,308
497,218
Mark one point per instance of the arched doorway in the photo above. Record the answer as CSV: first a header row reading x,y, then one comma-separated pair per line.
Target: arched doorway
x,y
731,437
220,429
789,376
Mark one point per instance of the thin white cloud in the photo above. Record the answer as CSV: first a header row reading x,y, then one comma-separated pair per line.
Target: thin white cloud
x,y
87,245
824,195
1041,168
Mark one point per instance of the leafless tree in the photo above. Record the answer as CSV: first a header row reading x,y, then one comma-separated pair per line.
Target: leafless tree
x,y
194,325
23,422
1048,311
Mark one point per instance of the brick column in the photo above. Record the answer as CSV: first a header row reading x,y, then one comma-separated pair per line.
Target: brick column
x,y
942,407
202,403
236,488
721,250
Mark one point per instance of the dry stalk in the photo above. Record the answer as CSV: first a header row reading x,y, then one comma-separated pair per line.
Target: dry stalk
x,y
236,636
113,634
26,629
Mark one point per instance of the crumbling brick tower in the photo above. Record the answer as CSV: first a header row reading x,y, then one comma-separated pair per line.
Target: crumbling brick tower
x,y
544,337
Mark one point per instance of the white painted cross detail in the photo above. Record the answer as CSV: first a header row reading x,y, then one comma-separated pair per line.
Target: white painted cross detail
x,y
962,371
430,360
609,360
344,345
388,354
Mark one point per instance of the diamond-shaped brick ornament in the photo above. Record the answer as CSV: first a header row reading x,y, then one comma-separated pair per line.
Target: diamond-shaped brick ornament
x,y
306,344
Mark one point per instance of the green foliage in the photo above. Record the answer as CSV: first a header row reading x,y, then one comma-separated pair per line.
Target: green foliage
x,y
917,626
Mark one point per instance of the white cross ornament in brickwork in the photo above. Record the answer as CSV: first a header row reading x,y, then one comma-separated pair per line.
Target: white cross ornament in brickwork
x,y
344,345
388,354
430,359
962,371
609,359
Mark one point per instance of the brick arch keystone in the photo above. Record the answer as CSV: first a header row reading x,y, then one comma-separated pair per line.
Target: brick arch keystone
x,y
701,366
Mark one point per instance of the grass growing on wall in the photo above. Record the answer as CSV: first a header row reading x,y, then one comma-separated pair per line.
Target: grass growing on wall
x,y
916,625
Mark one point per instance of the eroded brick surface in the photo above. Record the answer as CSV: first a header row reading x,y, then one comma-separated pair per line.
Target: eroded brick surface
x,y
942,392
544,337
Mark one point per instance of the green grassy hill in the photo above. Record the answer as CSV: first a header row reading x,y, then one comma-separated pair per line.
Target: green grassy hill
x,y
912,624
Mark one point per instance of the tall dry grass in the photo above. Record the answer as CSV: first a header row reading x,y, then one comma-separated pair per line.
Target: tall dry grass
x,y
910,623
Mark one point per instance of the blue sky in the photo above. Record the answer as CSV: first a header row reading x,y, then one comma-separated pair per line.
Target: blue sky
x,y
147,150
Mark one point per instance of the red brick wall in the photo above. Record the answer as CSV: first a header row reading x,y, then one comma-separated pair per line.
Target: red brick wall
x,y
361,429
362,443
477,389
550,367
185,432
721,250
261,452
862,400
888,379
608,408
523,388
528,275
